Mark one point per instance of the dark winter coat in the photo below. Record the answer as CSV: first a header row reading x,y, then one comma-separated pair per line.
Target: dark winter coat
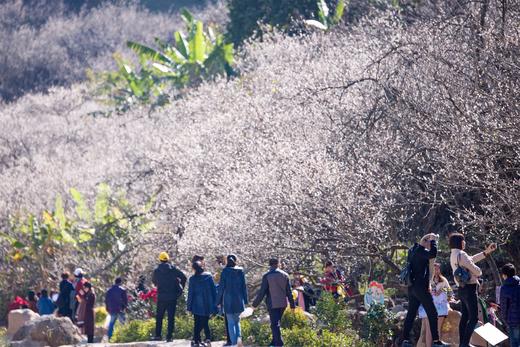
x,y
510,301
169,281
420,263
116,299
89,317
202,295
276,287
232,290
64,298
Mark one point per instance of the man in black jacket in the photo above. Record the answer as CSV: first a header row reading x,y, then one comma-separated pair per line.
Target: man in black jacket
x,y
419,292
170,283
277,288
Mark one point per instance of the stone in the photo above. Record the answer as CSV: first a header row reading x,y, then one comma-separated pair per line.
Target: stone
x,y
398,308
48,331
17,318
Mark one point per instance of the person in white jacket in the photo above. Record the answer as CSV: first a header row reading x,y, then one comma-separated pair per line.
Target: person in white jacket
x,y
467,291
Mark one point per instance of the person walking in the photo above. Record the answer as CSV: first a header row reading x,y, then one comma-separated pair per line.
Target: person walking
x,y
467,291
276,288
202,302
232,296
116,301
66,295
332,280
221,264
45,304
510,303
89,299
170,283
419,292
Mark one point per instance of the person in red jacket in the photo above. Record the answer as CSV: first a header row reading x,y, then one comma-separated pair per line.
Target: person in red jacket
x,y
331,279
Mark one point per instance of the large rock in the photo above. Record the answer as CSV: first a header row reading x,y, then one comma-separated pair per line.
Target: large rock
x,y
47,331
17,319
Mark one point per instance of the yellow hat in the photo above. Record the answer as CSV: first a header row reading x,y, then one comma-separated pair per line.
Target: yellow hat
x,y
164,256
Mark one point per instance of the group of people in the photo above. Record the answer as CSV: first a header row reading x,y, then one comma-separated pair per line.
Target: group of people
x,y
429,292
225,293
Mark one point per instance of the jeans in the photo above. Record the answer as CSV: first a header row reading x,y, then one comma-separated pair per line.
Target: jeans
x,y
228,339
275,316
418,294
201,322
514,336
469,309
162,308
233,327
113,318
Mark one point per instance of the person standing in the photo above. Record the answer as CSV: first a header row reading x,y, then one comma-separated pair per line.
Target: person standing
x,y
331,280
65,300
170,283
276,288
467,291
442,295
510,303
232,296
79,309
202,302
116,301
89,322
45,304
419,291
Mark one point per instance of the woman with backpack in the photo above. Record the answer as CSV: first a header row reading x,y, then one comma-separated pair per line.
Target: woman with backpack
x,y
466,274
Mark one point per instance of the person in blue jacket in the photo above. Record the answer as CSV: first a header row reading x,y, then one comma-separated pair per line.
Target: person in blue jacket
x,y
510,303
45,305
232,295
202,302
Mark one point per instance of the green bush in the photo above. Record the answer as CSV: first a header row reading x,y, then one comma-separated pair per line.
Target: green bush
x,y
377,325
143,330
255,333
245,16
349,339
132,331
3,337
101,315
298,337
294,318
332,313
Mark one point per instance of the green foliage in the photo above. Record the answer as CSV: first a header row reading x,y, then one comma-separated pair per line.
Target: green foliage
x,y
255,333
332,313
133,331
3,337
326,19
110,228
199,55
100,315
297,337
245,15
377,325
142,330
294,318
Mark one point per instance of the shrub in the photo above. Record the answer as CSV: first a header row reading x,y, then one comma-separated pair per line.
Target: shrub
x,y
132,331
348,339
245,16
332,313
101,314
377,325
298,337
256,333
294,318
198,55
218,328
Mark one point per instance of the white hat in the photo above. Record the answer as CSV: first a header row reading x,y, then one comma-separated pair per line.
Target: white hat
x,y
78,271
